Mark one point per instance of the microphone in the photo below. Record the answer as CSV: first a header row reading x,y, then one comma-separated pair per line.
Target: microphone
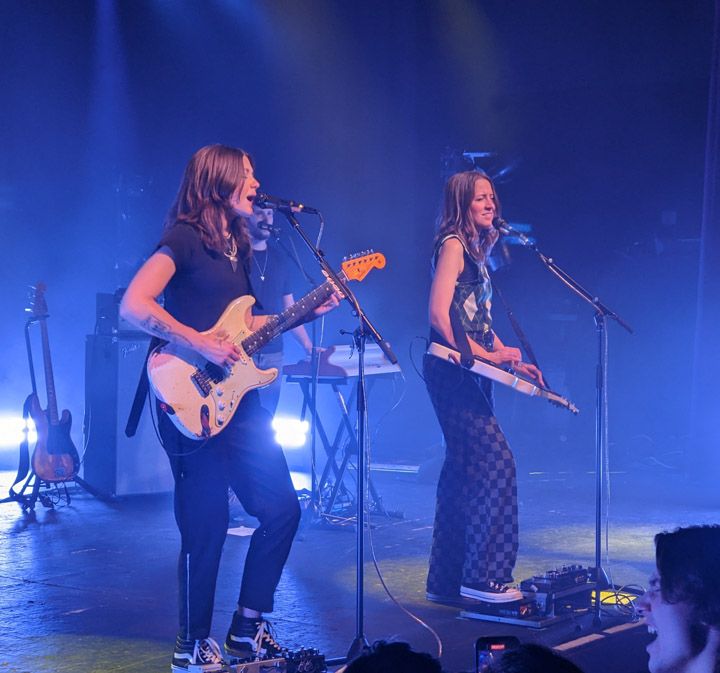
x,y
504,228
270,227
266,201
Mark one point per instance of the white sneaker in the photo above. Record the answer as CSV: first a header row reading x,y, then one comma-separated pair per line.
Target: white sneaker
x,y
491,592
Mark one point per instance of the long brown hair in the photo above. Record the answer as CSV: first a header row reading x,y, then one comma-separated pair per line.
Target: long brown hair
x,y
211,177
455,217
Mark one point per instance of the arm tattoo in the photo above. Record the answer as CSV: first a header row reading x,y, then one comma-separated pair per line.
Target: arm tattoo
x,y
164,331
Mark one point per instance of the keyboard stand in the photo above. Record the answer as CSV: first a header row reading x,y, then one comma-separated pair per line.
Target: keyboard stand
x,y
349,446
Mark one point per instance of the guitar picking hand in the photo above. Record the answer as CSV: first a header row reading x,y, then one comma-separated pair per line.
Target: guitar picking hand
x,y
506,355
531,371
218,348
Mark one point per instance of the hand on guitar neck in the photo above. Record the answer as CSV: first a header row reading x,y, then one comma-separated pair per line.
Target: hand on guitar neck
x,y
218,347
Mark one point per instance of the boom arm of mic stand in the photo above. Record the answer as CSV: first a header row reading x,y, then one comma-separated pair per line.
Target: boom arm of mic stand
x,y
364,320
580,290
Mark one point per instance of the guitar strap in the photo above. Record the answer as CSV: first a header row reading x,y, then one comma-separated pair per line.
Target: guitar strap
x,y
141,392
518,331
461,339
24,462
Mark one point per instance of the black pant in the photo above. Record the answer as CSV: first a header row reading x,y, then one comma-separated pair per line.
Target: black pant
x,y
475,536
245,457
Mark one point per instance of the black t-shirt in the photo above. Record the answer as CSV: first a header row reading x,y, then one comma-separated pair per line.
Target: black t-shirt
x,y
271,264
204,282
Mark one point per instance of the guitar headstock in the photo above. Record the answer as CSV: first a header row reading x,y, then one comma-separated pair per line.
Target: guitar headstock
x,y
38,304
357,266
564,404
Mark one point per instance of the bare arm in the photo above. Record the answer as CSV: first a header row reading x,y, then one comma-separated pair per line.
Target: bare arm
x,y
450,265
139,307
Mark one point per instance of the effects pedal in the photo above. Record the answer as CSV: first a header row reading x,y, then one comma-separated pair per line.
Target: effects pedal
x,y
556,580
560,592
301,661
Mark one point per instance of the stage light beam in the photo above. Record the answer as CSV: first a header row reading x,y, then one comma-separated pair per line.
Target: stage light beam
x,y
290,433
12,429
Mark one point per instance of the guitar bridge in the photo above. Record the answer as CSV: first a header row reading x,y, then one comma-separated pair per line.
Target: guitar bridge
x,y
202,380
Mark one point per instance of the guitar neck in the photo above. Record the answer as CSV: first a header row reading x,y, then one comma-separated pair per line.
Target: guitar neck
x,y
49,378
290,317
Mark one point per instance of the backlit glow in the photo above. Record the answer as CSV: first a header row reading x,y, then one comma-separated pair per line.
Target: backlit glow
x,y
11,431
290,433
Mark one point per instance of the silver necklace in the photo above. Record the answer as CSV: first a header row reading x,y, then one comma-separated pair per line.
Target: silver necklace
x,y
264,266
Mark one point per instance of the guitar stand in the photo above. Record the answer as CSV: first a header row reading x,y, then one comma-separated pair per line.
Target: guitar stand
x,y
25,470
27,501
39,490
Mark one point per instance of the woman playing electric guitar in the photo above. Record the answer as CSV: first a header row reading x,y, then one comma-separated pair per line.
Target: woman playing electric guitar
x,y
200,265
475,536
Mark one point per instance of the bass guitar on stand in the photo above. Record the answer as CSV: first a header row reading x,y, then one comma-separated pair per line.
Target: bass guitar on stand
x,y
55,458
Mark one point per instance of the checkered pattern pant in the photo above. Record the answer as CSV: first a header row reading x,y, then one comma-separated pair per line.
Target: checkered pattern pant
x,y
475,536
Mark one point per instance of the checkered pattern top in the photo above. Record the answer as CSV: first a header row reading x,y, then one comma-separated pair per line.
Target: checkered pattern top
x,y
473,294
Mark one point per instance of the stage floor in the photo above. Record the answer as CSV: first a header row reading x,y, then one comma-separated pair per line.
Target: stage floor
x,y
90,586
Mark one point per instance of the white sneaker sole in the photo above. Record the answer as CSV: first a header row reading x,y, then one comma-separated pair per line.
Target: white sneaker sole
x,y
509,596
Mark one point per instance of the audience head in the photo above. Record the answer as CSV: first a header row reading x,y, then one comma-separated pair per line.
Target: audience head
x,y
682,604
530,658
384,657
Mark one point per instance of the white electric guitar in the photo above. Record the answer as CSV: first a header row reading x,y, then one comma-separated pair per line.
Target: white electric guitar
x,y
201,397
507,376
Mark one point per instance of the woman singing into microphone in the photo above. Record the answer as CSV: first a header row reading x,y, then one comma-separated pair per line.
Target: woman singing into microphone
x,y
200,265
475,536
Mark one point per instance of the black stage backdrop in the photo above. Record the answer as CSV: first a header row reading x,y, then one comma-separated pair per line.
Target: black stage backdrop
x,y
595,113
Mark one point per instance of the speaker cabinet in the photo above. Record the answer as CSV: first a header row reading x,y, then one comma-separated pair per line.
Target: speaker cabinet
x,y
116,465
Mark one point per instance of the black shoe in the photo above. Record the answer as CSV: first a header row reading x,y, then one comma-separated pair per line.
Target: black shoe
x,y
252,638
203,655
491,592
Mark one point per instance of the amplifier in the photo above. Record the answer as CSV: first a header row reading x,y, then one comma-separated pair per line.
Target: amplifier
x,y
113,464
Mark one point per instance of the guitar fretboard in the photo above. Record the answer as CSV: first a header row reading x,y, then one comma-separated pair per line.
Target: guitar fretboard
x,y
290,317
49,378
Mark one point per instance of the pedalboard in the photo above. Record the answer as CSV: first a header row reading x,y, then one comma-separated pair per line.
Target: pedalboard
x,y
548,598
300,661
555,580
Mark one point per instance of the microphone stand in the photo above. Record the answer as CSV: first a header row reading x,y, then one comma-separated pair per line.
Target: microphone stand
x,y
315,495
602,313
364,331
